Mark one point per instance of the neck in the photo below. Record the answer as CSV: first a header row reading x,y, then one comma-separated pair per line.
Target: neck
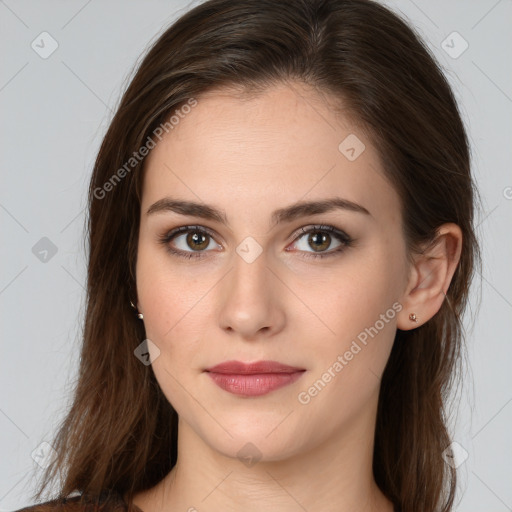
x,y
334,475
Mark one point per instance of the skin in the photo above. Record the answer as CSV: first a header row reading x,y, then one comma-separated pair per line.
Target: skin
x,y
249,156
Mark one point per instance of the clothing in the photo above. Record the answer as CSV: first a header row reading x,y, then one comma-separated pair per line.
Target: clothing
x,y
86,503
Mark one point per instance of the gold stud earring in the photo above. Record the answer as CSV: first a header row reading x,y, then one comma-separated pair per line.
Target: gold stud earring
x,y
413,317
139,315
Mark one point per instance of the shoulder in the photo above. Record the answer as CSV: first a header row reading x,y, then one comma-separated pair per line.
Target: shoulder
x,y
86,503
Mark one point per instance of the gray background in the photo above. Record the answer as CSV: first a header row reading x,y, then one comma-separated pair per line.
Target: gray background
x,y
54,114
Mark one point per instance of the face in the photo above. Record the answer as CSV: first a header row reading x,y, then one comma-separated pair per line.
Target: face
x,y
246,275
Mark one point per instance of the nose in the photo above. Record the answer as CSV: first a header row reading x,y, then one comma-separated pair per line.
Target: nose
x,y
251,300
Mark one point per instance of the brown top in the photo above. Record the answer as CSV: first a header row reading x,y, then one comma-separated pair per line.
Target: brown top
x,y
86,503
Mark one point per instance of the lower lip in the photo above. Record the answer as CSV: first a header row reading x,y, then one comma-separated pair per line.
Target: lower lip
x,y
254,384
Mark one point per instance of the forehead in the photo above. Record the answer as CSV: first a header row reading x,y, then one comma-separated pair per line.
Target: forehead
x,y
261,151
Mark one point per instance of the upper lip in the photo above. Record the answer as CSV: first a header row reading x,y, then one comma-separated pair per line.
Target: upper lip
x,y
240,368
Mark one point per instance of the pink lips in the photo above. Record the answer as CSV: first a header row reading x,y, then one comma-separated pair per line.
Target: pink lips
x,y
253,379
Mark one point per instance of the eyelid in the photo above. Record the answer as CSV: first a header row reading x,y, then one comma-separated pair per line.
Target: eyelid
x,y
320,227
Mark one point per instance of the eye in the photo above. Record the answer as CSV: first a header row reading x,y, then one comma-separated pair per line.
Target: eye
x,y
320,239
194,241
189,241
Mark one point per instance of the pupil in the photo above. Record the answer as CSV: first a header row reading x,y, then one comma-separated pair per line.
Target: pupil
x,y
197,240
320,241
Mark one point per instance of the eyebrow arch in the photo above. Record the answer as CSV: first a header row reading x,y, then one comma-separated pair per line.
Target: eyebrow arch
x,y
287,214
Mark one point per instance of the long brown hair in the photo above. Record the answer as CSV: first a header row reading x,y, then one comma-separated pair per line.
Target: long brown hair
x,y
120,433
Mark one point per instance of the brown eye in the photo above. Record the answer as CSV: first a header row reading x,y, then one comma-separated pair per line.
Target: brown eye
x,y
197,240
321,241
189,241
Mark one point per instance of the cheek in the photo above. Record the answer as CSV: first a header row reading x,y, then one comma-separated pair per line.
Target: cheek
x,y
358,307
174,320
165,297
349,362
353,294
174,323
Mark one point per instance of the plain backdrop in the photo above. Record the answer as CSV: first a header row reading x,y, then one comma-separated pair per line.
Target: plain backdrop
x,y
56,100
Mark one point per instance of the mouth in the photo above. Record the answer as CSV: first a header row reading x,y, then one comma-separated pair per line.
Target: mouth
x,y
253,379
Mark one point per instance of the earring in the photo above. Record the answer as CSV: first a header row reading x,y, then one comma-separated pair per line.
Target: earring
x,y
139,315
413,317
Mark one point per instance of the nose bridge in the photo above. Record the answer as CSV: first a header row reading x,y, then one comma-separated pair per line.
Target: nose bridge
x,y
249,268
250,301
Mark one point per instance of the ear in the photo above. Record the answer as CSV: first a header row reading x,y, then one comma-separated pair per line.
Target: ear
x,y
430,277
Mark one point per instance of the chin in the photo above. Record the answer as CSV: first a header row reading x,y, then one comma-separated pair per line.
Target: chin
x,y
262,442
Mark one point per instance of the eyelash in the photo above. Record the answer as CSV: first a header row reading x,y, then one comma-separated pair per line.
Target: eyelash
x,y
346,241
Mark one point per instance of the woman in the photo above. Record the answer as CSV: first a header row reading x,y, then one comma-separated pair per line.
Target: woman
x,y
281,248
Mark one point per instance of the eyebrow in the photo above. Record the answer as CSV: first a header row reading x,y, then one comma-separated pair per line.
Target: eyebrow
x,y
287,214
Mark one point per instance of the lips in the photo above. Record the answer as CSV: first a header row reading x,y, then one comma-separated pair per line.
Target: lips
x,y
239,368
253,379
